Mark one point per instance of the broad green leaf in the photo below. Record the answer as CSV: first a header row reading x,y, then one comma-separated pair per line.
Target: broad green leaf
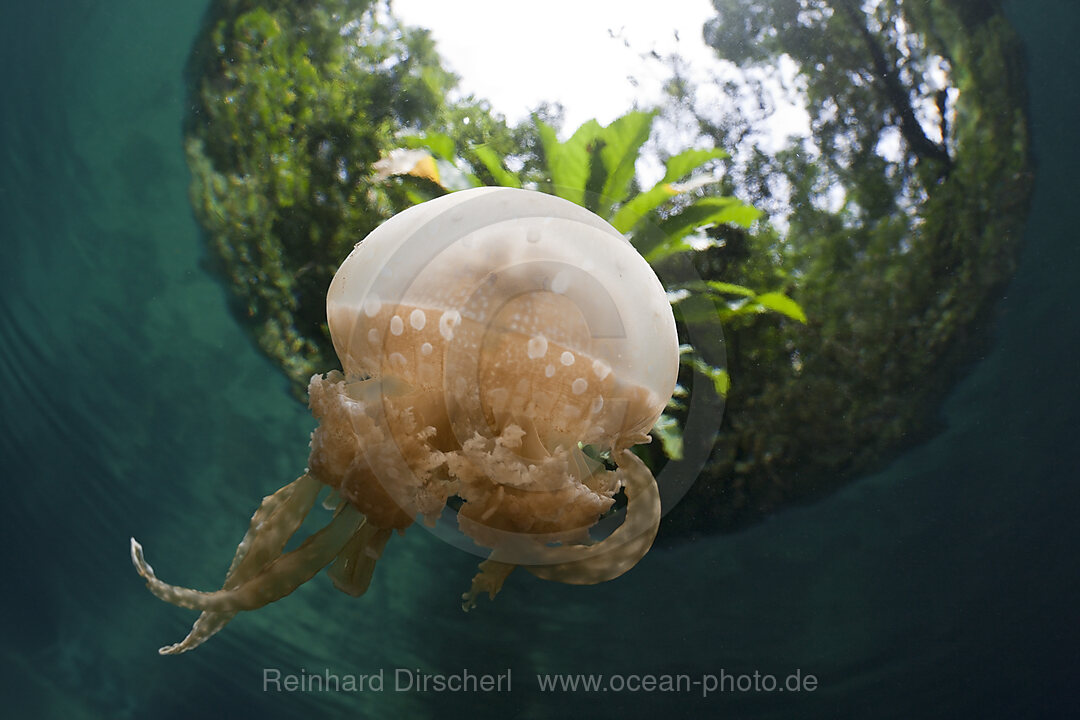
x,y
742,215
640,205
722,382
782,304
720,379
703,212
699,214
568,162
670,434
730,288
738,308
493,163
414,197
681,165
441,145
622,141
678,166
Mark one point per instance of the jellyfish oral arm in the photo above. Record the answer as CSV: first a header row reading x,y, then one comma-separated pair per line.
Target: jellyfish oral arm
x,y
620,551
259,573
589,564
353,568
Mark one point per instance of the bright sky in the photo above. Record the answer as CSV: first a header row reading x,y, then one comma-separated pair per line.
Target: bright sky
x,y
517,54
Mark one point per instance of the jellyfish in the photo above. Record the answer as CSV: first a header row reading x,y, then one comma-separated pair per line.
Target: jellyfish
x,y
502,351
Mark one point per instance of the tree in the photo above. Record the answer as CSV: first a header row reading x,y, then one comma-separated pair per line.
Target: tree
x,y
893,226
896,226
292,103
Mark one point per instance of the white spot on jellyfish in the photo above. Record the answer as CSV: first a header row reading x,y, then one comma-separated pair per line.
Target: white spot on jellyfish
x,y
537,347
601,368
449,320
396,325
549,370
560,282
579,386
567,358
417,319
426,349
373,336
398,359
597,405
372,305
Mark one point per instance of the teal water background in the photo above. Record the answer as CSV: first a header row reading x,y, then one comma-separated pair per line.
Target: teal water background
x,y
132,404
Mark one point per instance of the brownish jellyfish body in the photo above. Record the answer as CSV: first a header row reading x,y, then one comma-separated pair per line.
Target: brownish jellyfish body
x,y
494,344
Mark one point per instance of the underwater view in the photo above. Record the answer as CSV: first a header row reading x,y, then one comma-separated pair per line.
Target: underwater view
x,y
750,397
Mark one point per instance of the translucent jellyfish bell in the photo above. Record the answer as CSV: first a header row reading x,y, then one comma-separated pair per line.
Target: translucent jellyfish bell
x,y
488,339
524,256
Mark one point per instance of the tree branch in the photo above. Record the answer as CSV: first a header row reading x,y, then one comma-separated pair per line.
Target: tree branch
x,y
895,92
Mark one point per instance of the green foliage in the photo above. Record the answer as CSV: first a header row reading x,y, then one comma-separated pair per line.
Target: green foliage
x,y
292,104
897,256
491,161
596,168
619,146
670,236
678,167
668,432
296,104
720,378
746,302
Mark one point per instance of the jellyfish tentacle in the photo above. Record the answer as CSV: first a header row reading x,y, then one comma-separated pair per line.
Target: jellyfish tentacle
x,y
490,579
278,518
275,521
354,565
205,627
588,564
277,579
621,550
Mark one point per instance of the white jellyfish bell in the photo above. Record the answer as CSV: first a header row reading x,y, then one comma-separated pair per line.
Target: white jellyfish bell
x,y
501,351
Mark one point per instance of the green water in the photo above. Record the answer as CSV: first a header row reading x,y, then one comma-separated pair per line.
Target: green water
x,y
132,404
